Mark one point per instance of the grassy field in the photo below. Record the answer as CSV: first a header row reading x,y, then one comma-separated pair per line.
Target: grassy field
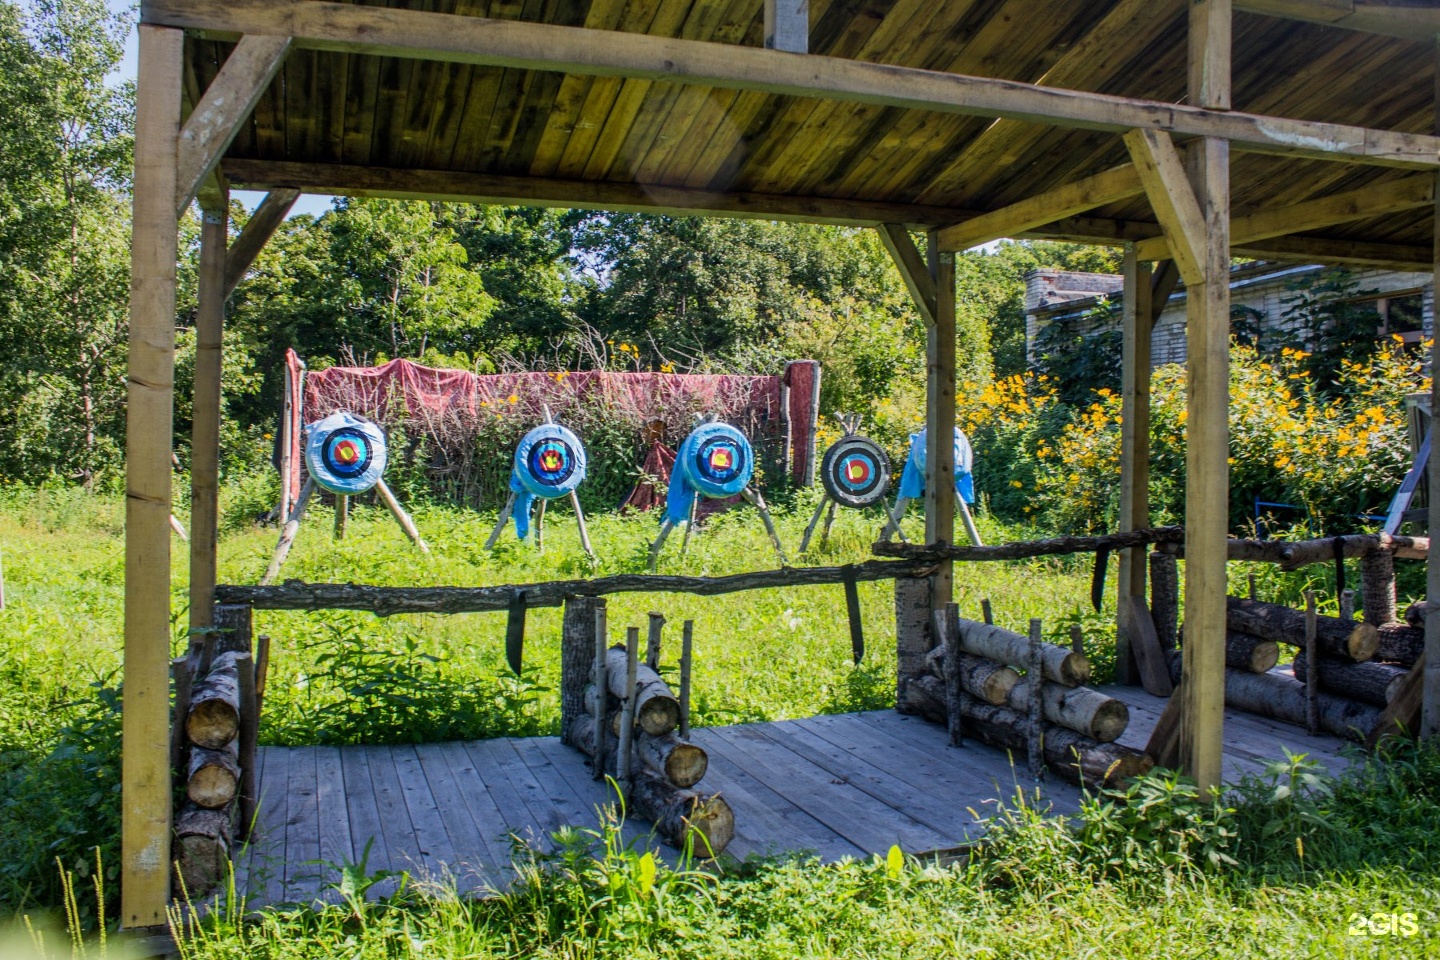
x,y
1161,875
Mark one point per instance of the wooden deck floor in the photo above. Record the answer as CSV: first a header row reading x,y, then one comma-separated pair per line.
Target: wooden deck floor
x,y
846,785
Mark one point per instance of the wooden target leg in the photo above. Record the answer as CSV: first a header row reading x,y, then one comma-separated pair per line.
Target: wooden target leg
x,y
287,535
892,520
968,520
178,528
540,525
580,519
754,497
829,521
500,524
401,516
665,529
342,515
689,526
814,522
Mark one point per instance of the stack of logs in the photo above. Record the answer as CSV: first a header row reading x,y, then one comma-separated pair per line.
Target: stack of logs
x,y
1360,666
1077,727
627,724
218,686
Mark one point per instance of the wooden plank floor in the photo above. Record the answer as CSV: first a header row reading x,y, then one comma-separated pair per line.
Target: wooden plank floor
x,y
836,786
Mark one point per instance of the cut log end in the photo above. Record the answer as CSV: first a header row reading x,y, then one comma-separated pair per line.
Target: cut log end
x,y
212,724
1110,721
710,827
658,715
1075,669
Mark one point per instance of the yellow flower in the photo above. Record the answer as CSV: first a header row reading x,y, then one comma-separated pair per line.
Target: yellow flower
x,y
512,399
1016,484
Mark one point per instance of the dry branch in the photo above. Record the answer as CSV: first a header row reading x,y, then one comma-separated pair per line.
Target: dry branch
x,y
1023,549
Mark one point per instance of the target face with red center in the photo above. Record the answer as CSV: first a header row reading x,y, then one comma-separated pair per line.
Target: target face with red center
x,y
720,460
716,460
345,454
855,472
550,461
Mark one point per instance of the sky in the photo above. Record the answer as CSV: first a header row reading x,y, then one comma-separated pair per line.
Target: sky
x,y
250,198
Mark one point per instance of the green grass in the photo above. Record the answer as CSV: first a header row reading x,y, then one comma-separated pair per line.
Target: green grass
x,y
1130,878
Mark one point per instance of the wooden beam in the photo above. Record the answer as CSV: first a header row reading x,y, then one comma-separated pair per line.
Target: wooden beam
x,y
1137,323
145,725
1394,256
225,105
1395,196
256,233
1430,680
913,268
787,25
1207,447
205,413
1408,21
358,181
517,44
940,419
1096,230
1168,188
1085,194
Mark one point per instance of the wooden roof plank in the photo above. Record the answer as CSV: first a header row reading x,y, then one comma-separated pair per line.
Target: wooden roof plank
x,y
1066,201
1406,21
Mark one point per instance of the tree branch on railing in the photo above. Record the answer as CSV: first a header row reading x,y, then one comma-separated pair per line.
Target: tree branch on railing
x,y
1022,549
385,601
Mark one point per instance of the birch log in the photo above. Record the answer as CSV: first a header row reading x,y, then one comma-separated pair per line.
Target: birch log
x,y
980,676
1283,698
680,762
657,710
214,776
1080,709
1058,664
1370,682
214,718
1249,653
686,819
1077,758
202,848
1338,638
1400,644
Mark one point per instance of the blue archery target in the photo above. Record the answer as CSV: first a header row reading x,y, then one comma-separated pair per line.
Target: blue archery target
x,y
912,480
550,461
717,460
855,472
345,454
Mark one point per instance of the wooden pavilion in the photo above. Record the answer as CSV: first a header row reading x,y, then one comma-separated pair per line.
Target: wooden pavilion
x,y
1186,131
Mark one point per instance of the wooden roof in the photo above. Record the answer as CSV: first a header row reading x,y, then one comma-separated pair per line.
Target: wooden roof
x,y
338,121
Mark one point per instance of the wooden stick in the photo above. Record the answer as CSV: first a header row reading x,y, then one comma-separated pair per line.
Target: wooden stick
x,y
182,670
814,522
178,528
665,529
249,739
540,525
262,669
754,497
623,764
289,532
342,515
1347,605
829,522
852,616
689,526
1077,639
1253,594
580,522
652,640
968,521
401,516
687,637
1312,662
1033,672
500,523
986,612
1023,549
893,526
954,686
602,684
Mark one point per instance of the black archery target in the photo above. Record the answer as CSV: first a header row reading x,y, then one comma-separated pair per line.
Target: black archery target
x,y
855,472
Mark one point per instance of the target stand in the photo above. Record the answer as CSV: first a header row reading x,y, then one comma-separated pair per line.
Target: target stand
x,y
549,464
855,473
912,485
716,461
344,455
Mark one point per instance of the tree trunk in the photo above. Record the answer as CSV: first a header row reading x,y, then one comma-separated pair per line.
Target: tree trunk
x,y
202,848
1369,682
913,638
1077,758
577,656
1338,638
979,676
1080,709
1249,653
1401,644
680,762
657,710
214,776
215,705
1377,587
1165,598
1059,664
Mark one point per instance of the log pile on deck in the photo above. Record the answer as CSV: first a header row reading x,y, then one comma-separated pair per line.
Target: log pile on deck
x,y
635,728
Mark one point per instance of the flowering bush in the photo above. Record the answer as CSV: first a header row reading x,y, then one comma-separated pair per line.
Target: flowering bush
x,y
1337,449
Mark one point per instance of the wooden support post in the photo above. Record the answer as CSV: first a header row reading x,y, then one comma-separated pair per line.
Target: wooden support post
x,y
289,532
954,681
253,236
687,639
1430,681
652,640
577,647
1134,448
262,669
515,633
401,517
1347,606
787,25
912,632
249,741
1034,673
1207,472
1312,667
602,684
852,614
182,671
145,812
1077,639
940,419
205,418
623,768
342,515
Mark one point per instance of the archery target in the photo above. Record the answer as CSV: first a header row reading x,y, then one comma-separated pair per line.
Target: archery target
x,y
550,461
717,460
345,454
855,472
